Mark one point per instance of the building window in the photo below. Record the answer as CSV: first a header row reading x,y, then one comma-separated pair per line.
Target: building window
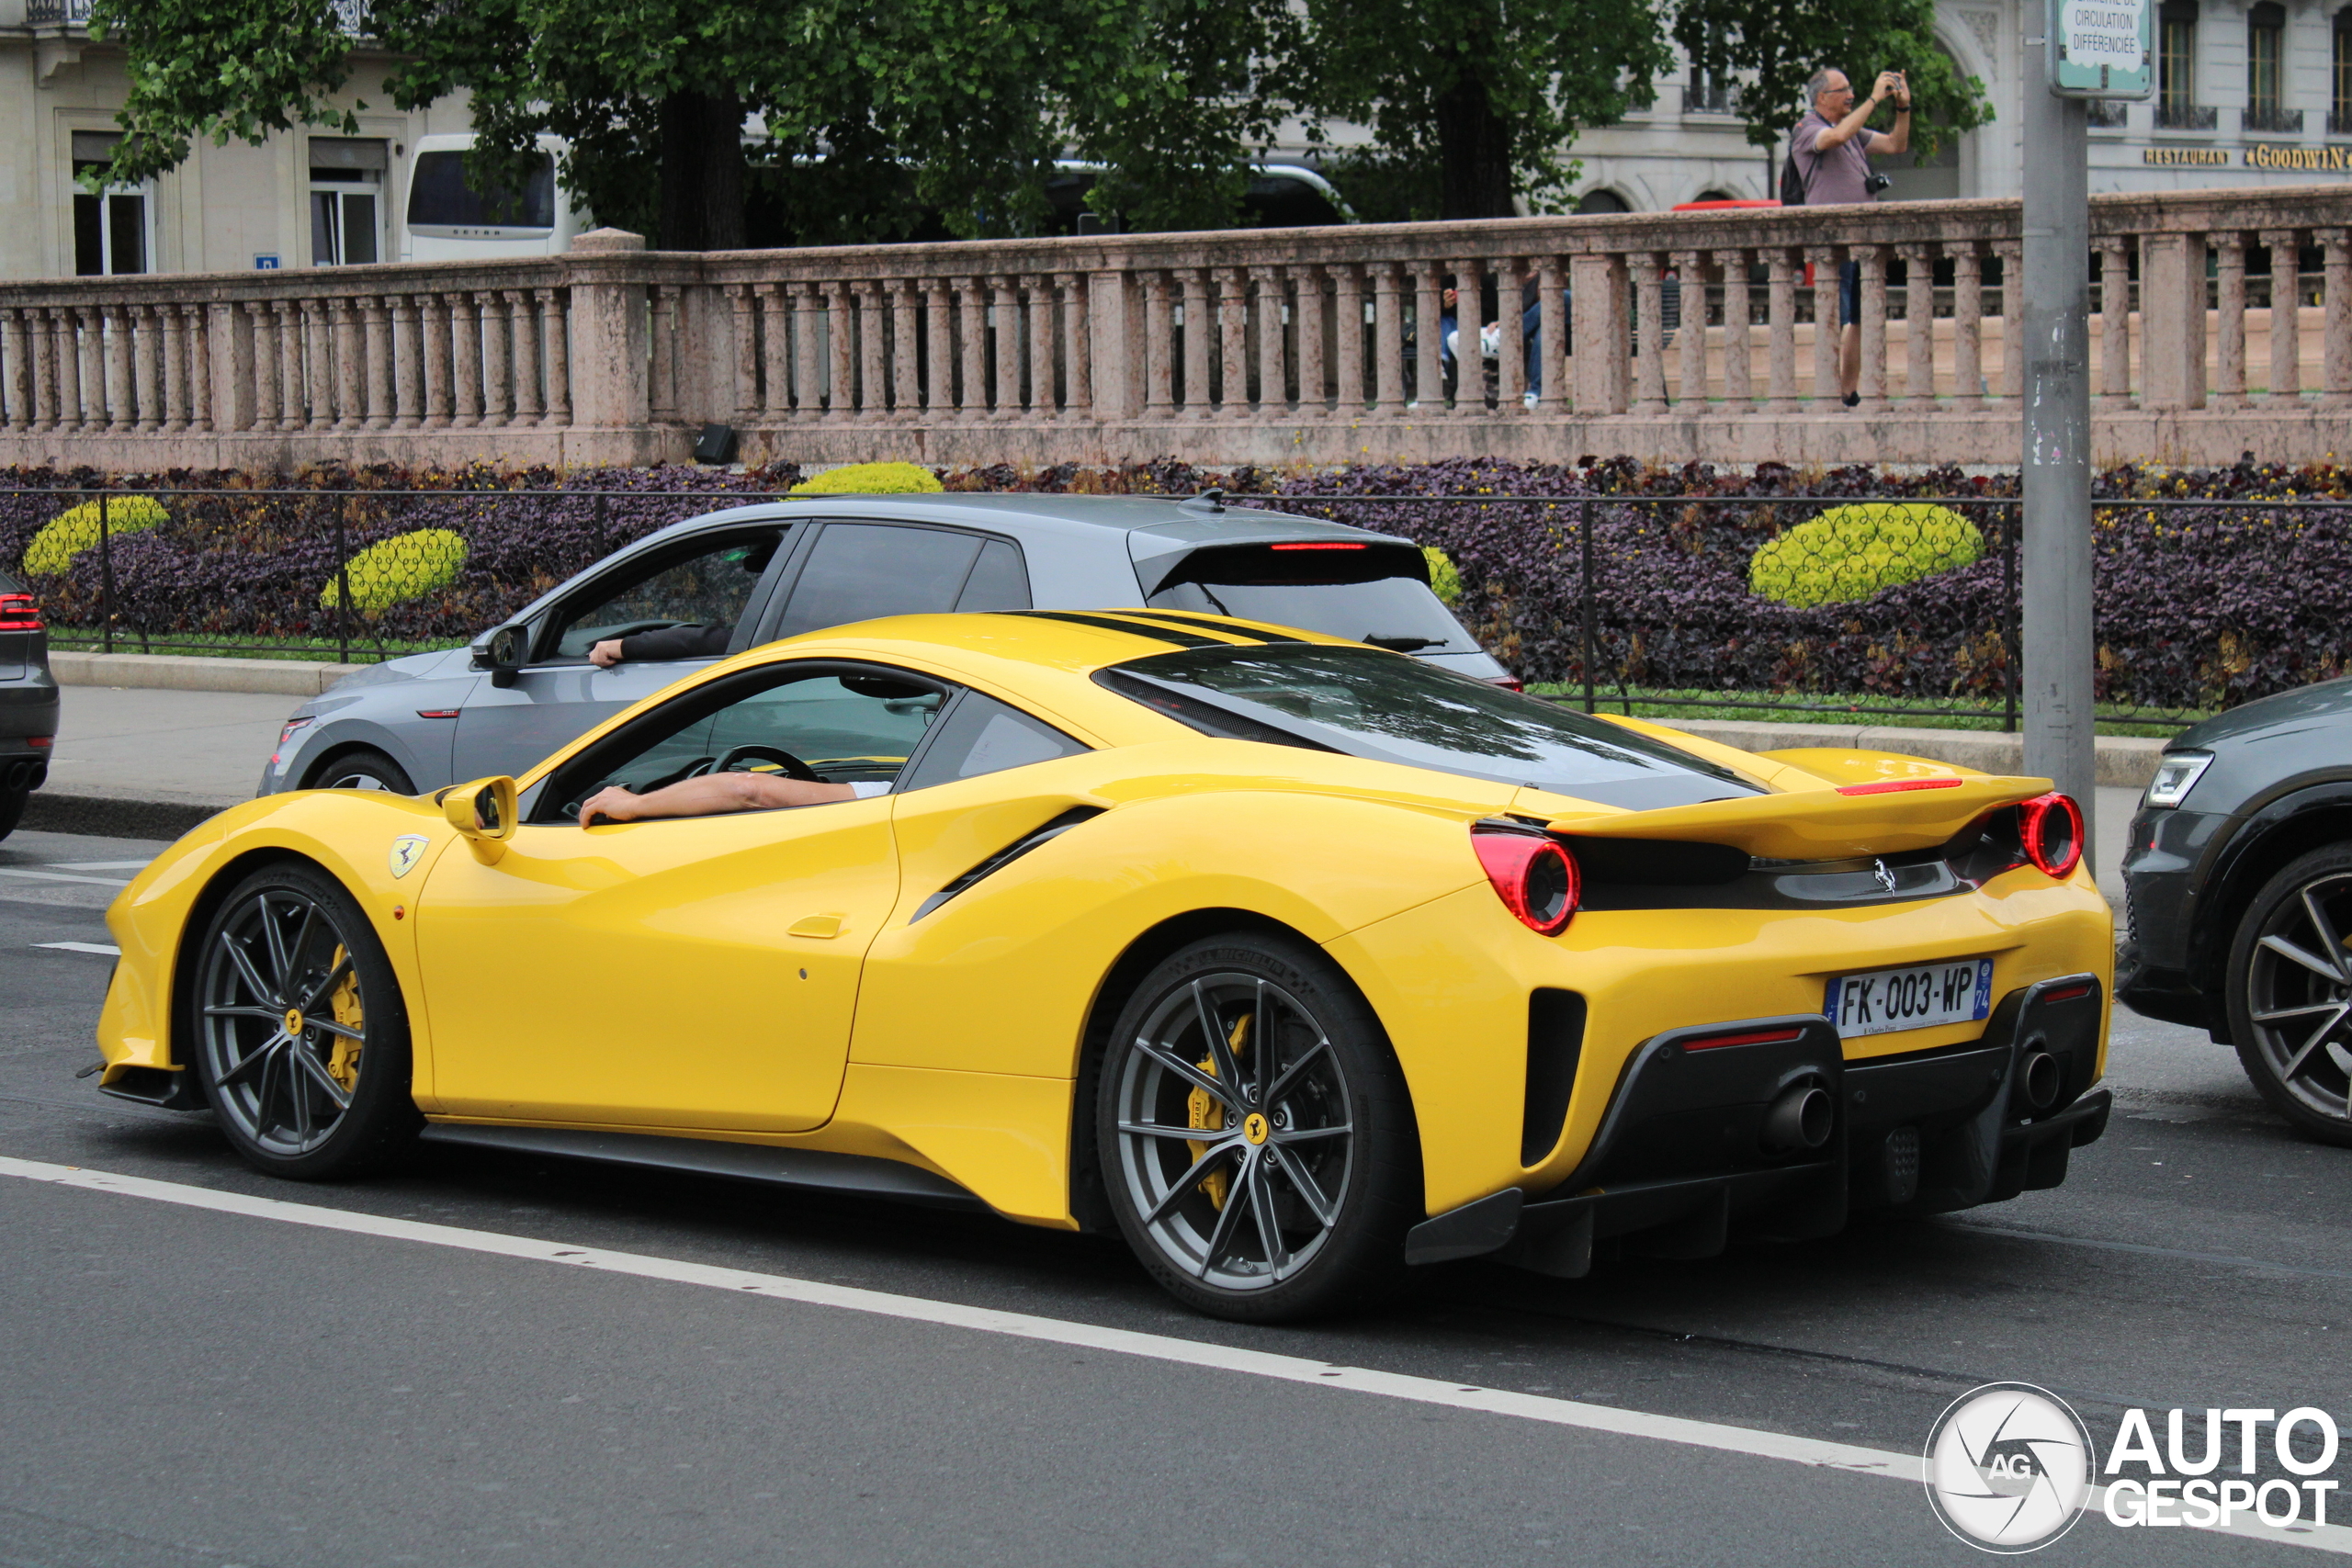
x,y
2177,105
347,201
1707,93
2339,101
110,231
2266,33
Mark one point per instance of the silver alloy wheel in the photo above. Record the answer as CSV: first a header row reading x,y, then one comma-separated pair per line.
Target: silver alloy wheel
x,y
2298,995
359,778
1234,1135
282,1022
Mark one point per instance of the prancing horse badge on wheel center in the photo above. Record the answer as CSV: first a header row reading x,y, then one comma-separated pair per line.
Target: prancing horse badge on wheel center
x,y
407,849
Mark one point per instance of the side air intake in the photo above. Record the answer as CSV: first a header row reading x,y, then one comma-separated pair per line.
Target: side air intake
x,y
1554,1045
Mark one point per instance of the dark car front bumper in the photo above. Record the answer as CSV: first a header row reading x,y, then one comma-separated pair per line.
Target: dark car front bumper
x,y
1678,1171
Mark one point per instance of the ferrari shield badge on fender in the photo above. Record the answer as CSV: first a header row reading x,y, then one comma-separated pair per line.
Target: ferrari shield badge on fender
x,y
407,849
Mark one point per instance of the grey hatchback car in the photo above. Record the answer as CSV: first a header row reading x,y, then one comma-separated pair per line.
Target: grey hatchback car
x,y
732,580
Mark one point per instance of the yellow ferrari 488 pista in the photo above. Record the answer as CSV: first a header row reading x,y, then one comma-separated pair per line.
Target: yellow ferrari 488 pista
x,y
1293,960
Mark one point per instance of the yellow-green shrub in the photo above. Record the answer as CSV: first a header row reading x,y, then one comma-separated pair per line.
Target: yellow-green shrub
x,y
872,478
70,532
393,571
1852,552
1445,578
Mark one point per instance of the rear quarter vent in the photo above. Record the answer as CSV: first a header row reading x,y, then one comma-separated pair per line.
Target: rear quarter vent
x,y
1554,1046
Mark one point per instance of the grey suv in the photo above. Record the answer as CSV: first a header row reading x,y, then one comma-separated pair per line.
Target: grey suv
x,y
732,580
28,702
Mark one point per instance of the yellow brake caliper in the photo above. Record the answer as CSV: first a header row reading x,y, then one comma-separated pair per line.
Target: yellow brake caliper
x,y
343,1062
1209,1116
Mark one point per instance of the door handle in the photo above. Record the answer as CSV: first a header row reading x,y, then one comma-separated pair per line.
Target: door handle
x,y
816,926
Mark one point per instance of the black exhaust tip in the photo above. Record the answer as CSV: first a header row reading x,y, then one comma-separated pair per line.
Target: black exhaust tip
x,y
2039,1079
1799,1120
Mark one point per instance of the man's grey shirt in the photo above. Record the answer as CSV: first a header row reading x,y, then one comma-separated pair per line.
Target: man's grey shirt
x,y
1836,175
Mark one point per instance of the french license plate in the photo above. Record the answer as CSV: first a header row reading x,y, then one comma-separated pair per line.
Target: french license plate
x,y
1918,997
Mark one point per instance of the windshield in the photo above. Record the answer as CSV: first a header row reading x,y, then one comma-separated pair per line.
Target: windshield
x,y
1373,704
439,198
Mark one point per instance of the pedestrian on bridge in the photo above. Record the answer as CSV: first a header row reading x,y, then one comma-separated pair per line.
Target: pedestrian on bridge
x,y
1831,149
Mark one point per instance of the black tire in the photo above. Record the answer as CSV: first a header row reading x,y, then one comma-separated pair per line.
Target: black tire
x,y
363,767
332,1099
12,807
2289,993
1327,1104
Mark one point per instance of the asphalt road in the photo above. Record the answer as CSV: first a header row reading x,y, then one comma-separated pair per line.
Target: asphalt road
x,y
184,1386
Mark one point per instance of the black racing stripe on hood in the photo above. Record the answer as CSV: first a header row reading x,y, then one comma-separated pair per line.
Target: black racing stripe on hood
x,y
1107,623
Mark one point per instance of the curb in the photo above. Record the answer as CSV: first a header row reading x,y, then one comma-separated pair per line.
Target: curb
x,y
164,671
2124,761
107,817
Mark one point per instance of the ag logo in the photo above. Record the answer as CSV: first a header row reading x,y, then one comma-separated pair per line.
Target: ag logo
x,y
407,849
2008,1467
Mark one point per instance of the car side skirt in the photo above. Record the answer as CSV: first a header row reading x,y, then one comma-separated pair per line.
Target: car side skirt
x,y
818,1170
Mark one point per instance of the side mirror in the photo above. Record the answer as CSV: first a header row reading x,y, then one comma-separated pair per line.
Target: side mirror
x,y
506,650
484,812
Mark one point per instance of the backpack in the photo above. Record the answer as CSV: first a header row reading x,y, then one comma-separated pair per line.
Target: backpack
x,y
1792,183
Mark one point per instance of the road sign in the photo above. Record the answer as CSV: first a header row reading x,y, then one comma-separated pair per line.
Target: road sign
x,y
2102,49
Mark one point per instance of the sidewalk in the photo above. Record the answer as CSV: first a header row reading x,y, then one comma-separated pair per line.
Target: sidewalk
x,y
152,763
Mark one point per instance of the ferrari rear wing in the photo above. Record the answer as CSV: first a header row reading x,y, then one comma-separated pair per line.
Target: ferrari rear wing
x,y
1828,823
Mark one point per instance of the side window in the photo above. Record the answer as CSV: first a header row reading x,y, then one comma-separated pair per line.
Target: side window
x,y
848,725
708,590
858,571
999,582
984,736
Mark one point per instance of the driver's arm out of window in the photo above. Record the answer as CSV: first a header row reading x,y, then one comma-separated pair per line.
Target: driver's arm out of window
x,y
713,794
669,642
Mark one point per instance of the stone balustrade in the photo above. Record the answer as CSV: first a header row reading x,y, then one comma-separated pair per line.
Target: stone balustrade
x,y
1671,337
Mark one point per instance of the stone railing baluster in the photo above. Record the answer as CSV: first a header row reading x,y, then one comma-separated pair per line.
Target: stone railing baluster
x,y
906,358
1428,339
1349,304
744,307
1200,331
2010,253
972,340
350,363
1872,261
306,366
1650,349
432,360
1310,319
1738,339
1510,338
1077,346
1469,352
1691,334
2286,314
1780,332
1388,338
1268,289
146,367
67,329
1159,350
199,367
1967,324
379,363
664,388
465,353
2229,277
1232,333
16,384
1045,357
1828,329
497,360
523,332
808,359
1004,314
39,329
1919,325
775,351
555,353
2114,322
408,363
2336,331
1552,351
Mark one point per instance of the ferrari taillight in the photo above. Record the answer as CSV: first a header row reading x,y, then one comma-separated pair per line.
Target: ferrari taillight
x,y
2051,829
19,613
1533,875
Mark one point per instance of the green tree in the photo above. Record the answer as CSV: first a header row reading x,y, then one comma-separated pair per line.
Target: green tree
x,y
874,113
1772,46
1491,92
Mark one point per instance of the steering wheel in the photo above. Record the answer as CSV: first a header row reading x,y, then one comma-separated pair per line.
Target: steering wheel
x,y
793,768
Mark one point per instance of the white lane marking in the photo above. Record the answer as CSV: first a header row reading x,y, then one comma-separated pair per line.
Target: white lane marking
x,y
56,876
98,865
104,950
1813,1451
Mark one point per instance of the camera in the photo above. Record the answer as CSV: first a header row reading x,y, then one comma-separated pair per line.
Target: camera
x,y
1875,182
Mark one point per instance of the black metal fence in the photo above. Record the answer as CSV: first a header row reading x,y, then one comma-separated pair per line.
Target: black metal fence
x,y
1870,608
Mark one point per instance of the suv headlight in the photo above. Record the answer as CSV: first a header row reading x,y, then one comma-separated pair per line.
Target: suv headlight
x,y
2176,774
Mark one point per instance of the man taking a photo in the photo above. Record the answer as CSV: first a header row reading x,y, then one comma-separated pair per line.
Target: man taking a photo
x,y
1832,146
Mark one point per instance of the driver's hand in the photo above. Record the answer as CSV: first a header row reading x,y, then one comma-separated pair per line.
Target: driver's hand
x,y
606,654
612,801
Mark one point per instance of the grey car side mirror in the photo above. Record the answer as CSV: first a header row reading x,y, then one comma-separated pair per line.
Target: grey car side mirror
x,y
505,656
